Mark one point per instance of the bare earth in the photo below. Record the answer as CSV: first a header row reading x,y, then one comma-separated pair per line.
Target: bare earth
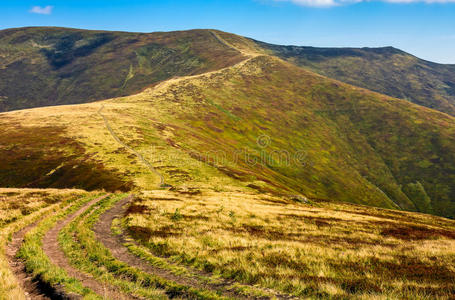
x,y
33,289
57,256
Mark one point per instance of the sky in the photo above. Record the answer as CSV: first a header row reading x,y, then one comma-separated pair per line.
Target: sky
x,y
425,28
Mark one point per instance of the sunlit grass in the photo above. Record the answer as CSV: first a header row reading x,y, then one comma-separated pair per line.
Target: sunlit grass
x,y
38,263
319,250
21,207
86,253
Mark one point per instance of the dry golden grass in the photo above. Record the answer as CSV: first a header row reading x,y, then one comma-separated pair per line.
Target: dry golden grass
x,y
313,250
323,250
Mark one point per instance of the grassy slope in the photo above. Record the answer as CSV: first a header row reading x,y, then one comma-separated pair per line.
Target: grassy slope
x,y
323,138
45,66
352,145
385,70
357,146
317,251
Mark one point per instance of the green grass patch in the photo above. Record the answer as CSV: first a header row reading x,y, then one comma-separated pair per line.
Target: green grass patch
x,y
37,262
80,244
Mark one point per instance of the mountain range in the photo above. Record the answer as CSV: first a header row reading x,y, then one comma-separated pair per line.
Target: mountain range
x,y
205,108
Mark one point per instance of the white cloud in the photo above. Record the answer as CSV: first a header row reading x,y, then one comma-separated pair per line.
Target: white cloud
x,y
45,10
321,3
330,3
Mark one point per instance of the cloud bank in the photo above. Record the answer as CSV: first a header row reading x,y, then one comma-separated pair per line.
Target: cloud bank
x,y
45,10
329,3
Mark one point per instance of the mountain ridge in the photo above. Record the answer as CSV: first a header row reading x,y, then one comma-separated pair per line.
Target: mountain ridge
x,y
391,71
358,146
386,70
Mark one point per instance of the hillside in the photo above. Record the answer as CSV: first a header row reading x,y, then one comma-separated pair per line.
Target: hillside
x,y
43,66
216,245
257,179
385,70
322,138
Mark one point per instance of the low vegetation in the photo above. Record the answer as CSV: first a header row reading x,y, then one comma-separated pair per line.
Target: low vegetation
x,y
318,250
19,208
386,70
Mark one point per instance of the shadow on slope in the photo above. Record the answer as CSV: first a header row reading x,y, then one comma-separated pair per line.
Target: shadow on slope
x,y
42,157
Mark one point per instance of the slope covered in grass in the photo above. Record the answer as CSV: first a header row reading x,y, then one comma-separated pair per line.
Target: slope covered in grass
x,y
324,139
45,66
385,70
267,125
318,251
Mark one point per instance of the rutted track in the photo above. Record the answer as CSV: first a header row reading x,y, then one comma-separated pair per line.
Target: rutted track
x,y
33,289
57,256
115,244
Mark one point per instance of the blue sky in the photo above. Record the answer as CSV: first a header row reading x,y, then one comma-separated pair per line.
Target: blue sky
x,y
425,28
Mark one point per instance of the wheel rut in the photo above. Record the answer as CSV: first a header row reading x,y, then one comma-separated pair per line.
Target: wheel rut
x,y
119,251
52,249
33,288
115,244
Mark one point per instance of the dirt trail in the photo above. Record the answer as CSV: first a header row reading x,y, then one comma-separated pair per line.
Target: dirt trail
x,y
52,249
118,140
32,288
224,42
116,245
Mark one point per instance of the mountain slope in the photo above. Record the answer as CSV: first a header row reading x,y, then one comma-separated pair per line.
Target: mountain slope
x,y
385,70
267,125
235,174
45,66
352,145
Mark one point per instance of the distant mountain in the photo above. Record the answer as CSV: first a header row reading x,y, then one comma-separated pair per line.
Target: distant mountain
x,y
385,70
42,66
239,172
245,120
